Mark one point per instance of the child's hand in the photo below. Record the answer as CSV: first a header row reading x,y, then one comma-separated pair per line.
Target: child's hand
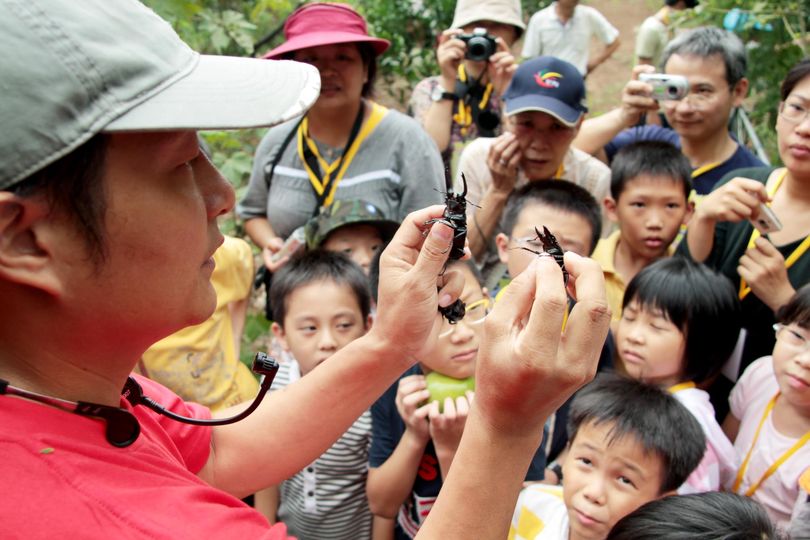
x,y
447,426
763,269
411,393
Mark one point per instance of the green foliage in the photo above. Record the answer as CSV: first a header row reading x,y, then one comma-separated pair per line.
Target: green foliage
x,y
774,32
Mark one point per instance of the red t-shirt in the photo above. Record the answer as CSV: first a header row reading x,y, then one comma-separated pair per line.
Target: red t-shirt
x,y
60,478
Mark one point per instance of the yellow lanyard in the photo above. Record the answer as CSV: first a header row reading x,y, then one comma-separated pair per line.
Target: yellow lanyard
x,y
776,464
675,388
329,183
464,115
705,168
560,170
745,290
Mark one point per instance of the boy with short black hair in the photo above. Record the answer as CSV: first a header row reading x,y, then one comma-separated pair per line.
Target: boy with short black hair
x,y
321,303
631,443
569,211
649,200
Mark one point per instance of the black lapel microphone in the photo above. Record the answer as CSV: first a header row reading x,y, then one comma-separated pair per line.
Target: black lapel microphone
x,y
122,428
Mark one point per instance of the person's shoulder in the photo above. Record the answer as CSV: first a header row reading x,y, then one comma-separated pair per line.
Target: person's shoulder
x,y
760,174
478,146
759,371
546,505
744,157
586,160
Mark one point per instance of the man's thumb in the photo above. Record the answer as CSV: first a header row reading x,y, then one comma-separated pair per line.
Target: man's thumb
x,y
435,249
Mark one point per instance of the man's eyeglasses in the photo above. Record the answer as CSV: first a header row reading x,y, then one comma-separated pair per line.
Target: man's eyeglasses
x,y
791,338
474,315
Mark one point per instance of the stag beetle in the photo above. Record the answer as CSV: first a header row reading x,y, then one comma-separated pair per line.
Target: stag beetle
x,y
550,246
455,216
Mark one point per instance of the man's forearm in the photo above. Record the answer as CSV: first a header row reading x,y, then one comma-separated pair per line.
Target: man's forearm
x,y
595,133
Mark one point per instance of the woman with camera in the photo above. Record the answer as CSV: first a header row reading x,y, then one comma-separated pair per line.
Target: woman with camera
x,y
464,101
346,147
754,228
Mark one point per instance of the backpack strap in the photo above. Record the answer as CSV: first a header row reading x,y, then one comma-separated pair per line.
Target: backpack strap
x,y
268,176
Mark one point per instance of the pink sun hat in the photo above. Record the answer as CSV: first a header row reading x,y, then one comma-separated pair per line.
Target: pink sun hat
x,y
325,23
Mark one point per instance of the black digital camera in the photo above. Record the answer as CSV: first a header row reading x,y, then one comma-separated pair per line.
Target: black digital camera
x,y
480,44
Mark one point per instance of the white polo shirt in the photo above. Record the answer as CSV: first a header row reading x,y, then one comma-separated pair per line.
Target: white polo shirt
x,y
569,41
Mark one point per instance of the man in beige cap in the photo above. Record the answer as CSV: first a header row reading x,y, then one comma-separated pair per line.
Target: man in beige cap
x,y
464,101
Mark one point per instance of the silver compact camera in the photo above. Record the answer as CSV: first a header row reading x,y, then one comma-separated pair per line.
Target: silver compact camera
x,y
666,87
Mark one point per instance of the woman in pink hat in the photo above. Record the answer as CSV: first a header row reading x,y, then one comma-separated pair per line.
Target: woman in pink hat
x,y
347,146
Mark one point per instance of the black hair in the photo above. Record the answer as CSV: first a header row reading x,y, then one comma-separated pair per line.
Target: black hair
x,y
560,194
715,515
797,310
797,73
700,302
708,41
311,267
651,415
657,159
74,184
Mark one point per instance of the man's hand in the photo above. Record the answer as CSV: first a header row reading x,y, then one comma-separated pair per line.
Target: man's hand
x,y
503,160
526,367
763,269
413,284
636,97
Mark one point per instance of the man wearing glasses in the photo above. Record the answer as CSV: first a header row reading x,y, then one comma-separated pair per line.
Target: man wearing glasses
x,y
713,62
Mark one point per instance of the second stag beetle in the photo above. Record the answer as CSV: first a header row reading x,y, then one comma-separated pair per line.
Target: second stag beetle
x,y
552,247
455,217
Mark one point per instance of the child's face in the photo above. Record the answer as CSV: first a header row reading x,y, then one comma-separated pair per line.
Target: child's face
x,y
649,212
322,318
650,347
457,347
360,242
572,231
791,365
604,482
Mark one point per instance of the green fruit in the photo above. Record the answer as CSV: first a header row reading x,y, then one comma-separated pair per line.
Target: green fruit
x,y
442,387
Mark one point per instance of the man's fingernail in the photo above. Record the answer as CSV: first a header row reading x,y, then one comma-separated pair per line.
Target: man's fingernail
x,y
445,300
440,231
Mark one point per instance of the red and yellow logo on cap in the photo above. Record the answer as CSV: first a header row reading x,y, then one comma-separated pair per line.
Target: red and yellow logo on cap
x,y
548,79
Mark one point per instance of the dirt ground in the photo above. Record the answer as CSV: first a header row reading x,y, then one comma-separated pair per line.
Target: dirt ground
x,y
606,82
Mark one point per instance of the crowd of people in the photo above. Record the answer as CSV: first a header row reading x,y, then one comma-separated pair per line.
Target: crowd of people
x,y
632,361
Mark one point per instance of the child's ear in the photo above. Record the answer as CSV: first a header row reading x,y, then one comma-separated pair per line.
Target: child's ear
x,y
280,335
610,209
502,241
690,211
26,241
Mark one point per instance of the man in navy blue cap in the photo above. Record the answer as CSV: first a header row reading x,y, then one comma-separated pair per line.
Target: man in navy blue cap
x,y
545,105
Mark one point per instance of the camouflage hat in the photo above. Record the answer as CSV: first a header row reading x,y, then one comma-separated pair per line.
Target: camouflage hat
x,y
347,212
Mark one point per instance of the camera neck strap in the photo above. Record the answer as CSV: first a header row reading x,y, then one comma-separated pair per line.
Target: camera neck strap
x,y
473,100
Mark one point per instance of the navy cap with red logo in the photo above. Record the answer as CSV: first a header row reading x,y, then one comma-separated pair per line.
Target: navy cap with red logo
x,y
550,85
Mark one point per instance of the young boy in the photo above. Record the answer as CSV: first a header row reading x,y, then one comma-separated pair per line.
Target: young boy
x,y
649,200
414,442
630,443
321,303
569,211
354,227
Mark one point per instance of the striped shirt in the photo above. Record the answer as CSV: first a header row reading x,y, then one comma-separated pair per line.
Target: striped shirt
x,y
397,168
327,499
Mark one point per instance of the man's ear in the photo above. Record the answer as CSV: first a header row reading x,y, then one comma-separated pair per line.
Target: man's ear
x,y
502,242
609,204
26,236
739,92
280,335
